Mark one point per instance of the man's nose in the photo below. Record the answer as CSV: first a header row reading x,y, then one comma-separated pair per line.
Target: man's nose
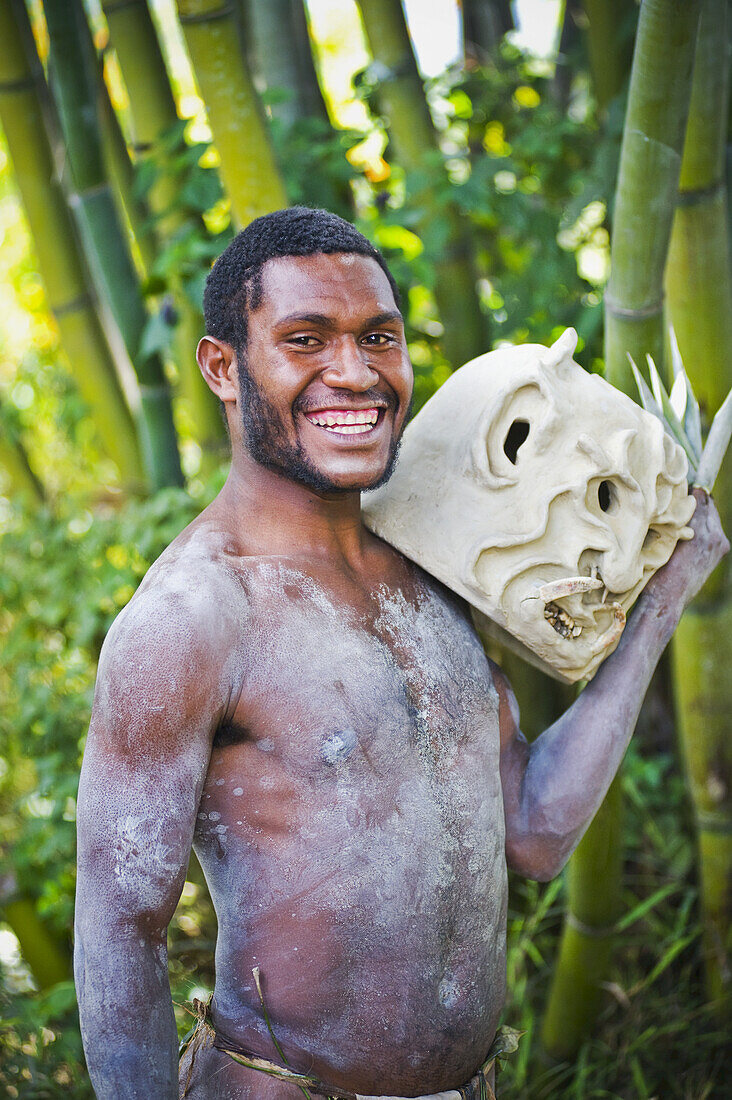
x,y
349,368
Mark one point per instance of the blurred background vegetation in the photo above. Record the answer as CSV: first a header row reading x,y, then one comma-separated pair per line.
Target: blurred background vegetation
x,y
481,145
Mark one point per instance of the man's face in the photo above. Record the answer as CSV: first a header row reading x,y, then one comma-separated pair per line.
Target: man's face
x,y
326,382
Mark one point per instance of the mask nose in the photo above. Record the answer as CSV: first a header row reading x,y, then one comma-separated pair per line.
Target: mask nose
x,y
620,567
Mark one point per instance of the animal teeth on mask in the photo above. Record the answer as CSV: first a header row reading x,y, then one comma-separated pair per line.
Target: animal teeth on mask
x,y
567,586
610,637
562,622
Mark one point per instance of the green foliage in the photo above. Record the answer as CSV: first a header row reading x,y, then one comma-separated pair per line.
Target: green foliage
x,y
656,1036
41,1057
312,158
51,640
533,180
194,228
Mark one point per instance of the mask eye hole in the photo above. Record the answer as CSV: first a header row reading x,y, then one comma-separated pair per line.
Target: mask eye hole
x,y
516,436
607,496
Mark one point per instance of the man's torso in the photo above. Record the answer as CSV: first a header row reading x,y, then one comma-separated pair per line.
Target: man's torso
x,y
351,829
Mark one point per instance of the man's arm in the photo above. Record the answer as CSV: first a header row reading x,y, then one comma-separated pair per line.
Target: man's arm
x,y
161,691
553,787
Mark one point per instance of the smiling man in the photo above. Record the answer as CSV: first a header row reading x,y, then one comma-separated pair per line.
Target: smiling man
x,y
316,716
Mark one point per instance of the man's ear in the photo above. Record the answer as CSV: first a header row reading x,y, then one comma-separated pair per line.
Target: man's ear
x,y
217,361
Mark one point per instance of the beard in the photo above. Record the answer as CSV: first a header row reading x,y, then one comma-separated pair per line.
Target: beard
x,y
267,439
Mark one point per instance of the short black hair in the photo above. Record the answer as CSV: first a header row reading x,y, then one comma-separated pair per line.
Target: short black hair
x,y
234,284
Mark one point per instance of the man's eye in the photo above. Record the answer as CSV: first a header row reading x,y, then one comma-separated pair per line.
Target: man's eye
x,y
378,339
304,341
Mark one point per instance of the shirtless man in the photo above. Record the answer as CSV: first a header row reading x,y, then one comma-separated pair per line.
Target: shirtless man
x,y
316,716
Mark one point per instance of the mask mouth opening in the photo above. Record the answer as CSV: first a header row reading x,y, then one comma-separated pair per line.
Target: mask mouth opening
x,y
573,603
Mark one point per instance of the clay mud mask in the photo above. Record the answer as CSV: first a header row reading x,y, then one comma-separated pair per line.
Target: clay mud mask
x,y
542,495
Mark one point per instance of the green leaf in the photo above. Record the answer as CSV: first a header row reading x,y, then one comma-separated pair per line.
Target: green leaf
x,y
644,906
156,336
646,397
670,420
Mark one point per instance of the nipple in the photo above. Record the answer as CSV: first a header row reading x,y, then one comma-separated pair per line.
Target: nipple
x,y
338,746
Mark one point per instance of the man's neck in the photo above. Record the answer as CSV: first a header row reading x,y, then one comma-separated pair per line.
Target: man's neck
x,y
275,514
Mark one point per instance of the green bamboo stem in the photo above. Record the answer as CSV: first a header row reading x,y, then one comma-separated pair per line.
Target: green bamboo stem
x,y
92,202
413,136
119,168
701,655
593,906
22,95
41,951
17,468
153,112
277,34
648,178
484,24
248,169
608,54
646,191
699,291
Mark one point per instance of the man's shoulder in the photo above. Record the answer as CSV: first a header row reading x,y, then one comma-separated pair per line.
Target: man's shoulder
x,y
192,594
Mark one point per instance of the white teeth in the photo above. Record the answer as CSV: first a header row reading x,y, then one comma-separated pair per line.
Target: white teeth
x,y
344,422
350,429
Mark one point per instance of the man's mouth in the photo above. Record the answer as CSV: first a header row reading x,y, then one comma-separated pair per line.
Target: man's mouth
x,y
345,421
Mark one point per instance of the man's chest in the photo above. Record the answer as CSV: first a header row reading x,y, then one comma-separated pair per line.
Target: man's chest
x,y
388,678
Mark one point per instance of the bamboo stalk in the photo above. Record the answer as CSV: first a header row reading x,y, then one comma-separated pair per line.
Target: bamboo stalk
x,y
594,878
152,104
248,169
608,54
648,178
277,33
409,123
699,289
153,112
71,66
22,93
132,209
40,950
44,953
484,24
646,190
14,461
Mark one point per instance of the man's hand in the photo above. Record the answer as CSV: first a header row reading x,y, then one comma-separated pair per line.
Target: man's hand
x,y
692,561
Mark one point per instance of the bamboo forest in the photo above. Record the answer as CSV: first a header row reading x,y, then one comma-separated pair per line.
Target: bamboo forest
x,y
523,167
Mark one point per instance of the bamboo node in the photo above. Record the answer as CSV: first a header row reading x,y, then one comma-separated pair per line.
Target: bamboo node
x,y
696,195
207,16
22,84
590,930
81,301
109,6
713,823
634,314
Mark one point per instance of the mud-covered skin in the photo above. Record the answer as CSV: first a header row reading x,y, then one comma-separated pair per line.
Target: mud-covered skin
x,y
352,835
350,825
